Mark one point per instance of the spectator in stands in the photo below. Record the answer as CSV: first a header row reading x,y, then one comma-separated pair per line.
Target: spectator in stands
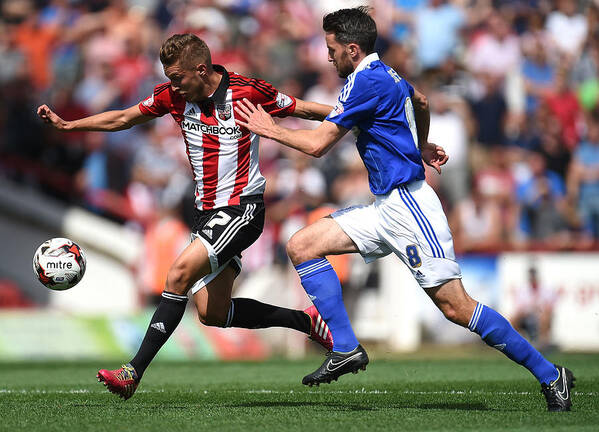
x,y
586,67
563,105
583,180
476,223
496,51
538,73
36,42
403,11
450,124
546,136
534,310
92,179
437,28
490,111
98,91
13,65
541,200
567,29
495,181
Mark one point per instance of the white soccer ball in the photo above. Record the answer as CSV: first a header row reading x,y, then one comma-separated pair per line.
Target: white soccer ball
x,y
59,264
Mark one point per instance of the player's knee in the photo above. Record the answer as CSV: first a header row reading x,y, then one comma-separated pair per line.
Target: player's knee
x,y
450,313
292,251
178,280
298,249
455,313
211,320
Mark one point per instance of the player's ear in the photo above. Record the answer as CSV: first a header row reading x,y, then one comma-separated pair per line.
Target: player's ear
x,y
352,49
202,70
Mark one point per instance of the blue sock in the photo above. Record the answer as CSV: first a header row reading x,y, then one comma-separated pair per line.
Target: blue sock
x,y
498,333
324,289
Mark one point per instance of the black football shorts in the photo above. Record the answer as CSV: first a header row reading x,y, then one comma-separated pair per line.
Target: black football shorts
x,y
228,231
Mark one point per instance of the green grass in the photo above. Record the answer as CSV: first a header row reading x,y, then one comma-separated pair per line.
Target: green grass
x,y
415,393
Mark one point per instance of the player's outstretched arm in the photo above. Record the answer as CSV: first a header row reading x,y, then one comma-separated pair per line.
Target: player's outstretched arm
x,y
107,121
314,142
311,110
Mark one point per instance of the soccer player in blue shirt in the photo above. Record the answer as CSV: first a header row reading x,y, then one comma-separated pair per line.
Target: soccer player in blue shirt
x,y
406,218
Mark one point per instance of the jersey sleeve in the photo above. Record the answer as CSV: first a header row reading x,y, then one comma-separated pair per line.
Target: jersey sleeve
x,y
355,102
273,101
158,103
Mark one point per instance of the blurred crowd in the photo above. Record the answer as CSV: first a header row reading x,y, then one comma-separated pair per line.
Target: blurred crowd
x,y
513,87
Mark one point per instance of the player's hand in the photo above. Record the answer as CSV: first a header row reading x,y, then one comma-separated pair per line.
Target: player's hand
x,y
254,118
50,117
434,156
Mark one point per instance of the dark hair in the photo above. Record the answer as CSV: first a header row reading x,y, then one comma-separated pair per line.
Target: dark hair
x,y
186,48
352,26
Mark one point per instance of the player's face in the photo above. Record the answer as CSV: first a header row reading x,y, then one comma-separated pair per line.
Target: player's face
x,y
185,81
338,56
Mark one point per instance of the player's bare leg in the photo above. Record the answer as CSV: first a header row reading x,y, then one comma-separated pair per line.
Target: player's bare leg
x,y
214,300
458,307
324,289
332,240
452,299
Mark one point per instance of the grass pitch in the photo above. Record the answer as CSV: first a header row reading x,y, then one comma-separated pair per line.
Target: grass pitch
x,y
481,392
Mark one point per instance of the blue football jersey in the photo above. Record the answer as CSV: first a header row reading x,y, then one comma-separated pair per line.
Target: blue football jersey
x,y
378,102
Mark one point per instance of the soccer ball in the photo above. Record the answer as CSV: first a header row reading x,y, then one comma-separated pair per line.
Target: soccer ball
x,y
59,264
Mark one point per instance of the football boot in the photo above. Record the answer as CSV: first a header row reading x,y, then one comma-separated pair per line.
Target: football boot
x,y
558,392
319,330
337,364
122,382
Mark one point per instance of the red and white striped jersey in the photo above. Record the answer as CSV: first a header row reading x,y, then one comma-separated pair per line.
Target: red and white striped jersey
x,y
223,155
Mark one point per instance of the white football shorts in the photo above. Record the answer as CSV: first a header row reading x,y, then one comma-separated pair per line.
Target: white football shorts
x,y
410,222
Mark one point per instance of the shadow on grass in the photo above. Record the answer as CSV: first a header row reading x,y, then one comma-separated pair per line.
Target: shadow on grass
x,y
454,406
337,406
355,407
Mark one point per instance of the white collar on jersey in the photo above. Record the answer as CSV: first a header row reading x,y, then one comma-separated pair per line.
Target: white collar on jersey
x,y
366,61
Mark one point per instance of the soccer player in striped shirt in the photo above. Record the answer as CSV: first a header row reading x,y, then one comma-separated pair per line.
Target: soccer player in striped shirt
x,y
406,218
228,196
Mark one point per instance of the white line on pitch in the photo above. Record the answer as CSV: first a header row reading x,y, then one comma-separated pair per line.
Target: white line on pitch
x,y
267,391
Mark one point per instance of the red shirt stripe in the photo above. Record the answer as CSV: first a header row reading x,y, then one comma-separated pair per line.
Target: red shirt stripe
x,y
211,145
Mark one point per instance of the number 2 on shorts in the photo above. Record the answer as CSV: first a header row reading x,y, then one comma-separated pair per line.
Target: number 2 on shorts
x,y
413,257
221,218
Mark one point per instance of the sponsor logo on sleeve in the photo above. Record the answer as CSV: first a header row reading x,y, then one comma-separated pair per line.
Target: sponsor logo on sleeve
x,y
283,100
149,101
337,110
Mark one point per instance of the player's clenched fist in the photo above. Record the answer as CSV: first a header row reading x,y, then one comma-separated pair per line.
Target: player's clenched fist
x,y
434,156
50,117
